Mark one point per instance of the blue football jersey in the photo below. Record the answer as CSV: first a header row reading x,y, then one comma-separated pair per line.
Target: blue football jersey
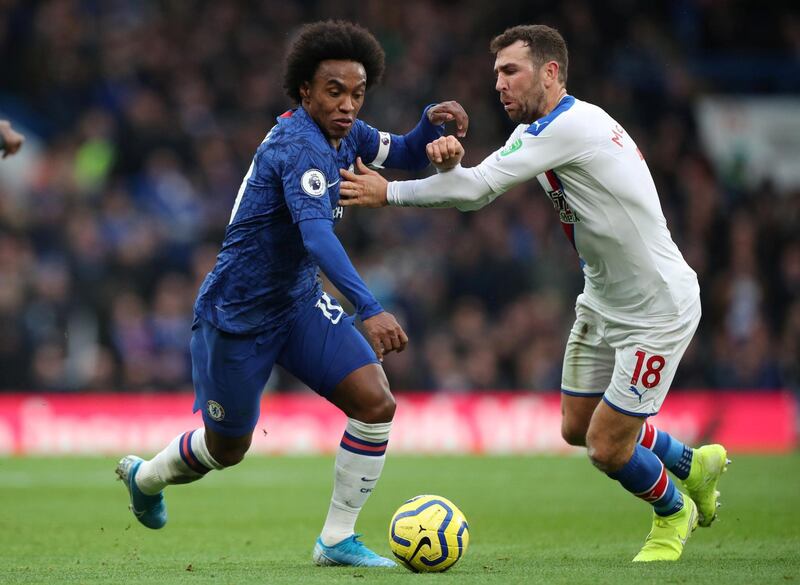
x,y
263,271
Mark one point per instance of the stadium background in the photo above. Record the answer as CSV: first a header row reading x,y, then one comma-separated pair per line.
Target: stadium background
x,y
142,117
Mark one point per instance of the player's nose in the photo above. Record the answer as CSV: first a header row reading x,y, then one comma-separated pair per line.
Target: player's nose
x,y
347,104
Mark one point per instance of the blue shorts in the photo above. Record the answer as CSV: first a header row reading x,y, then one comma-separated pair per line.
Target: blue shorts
x,y
320,347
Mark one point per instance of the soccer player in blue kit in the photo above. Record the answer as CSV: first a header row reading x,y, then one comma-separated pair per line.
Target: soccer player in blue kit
x,y
263,304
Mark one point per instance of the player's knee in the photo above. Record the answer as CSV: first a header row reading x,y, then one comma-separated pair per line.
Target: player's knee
x,y
366,397
602,453
229,454
380,410
573,434
598,457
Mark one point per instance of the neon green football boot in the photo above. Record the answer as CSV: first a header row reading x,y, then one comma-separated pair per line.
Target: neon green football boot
x,y
669,534
708,464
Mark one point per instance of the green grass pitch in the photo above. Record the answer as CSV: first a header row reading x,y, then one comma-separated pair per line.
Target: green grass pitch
x,y
532,520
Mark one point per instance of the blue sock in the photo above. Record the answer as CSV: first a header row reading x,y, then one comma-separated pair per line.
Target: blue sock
x,y
645,477
676,456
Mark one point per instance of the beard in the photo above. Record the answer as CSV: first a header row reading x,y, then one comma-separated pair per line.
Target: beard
x,y
531,110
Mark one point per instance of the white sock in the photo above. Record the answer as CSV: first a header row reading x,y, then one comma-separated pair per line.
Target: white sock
x,y
184,460
359,462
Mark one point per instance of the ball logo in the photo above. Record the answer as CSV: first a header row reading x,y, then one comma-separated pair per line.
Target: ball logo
x,y
215,410
313,182
428,534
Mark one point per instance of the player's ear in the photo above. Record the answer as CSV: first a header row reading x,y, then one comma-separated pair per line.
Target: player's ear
x,y
305,91
550,70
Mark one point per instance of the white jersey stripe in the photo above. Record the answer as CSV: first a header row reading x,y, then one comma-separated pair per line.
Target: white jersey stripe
x,y
242,187
249,174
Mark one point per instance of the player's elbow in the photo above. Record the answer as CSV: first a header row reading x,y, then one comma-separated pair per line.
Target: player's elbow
x,y
314,239
471,192
313,247
467,206
472,201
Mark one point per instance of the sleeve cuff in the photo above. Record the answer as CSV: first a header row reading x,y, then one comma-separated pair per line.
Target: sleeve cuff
x,y
370,311
392,197
425,120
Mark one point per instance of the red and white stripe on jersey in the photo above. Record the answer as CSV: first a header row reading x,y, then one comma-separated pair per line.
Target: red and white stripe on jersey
x,y
552,184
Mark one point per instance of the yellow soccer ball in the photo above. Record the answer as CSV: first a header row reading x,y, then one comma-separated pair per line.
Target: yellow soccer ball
x,y
428,534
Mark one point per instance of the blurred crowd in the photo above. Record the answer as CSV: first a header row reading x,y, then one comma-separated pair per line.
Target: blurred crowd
x,y
142,118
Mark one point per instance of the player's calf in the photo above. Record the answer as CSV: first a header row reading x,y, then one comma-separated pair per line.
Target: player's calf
x,y
676,456
359,463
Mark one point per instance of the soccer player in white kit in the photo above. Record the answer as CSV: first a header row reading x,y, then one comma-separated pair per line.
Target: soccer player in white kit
x,y
641,302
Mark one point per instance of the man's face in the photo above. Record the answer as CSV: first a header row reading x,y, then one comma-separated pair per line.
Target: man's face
x,y
520,83
334,96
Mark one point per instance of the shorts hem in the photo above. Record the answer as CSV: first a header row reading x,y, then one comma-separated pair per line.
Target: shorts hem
x,y
221,429
328,388
585,394
628,412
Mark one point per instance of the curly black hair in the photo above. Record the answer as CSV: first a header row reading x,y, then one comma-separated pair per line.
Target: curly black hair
x,y
330,39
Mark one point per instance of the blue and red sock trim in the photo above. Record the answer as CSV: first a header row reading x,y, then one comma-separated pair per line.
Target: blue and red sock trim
x,y
676,456
666,500
188,456
658,489
362,447
645,476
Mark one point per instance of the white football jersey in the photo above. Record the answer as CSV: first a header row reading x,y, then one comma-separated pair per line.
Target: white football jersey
x,y
604,196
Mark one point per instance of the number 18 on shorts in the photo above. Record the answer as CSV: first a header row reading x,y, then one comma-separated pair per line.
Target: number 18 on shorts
x,y
631,367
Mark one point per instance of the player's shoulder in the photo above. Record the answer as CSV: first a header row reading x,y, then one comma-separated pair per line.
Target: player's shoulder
x,y
588,113
558,119
572,119
362,131
295,138
295,127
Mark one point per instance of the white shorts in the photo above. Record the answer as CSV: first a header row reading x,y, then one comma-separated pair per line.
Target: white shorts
x,y
630,366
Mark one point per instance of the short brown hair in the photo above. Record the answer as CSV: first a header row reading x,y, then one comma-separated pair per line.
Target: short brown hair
x,y
545,44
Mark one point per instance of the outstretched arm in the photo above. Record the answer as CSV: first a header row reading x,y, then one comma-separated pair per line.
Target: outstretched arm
x,y
525,155
464,189
407,151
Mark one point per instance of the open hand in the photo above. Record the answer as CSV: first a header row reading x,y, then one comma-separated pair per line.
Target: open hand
x,y
367,189
450,112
